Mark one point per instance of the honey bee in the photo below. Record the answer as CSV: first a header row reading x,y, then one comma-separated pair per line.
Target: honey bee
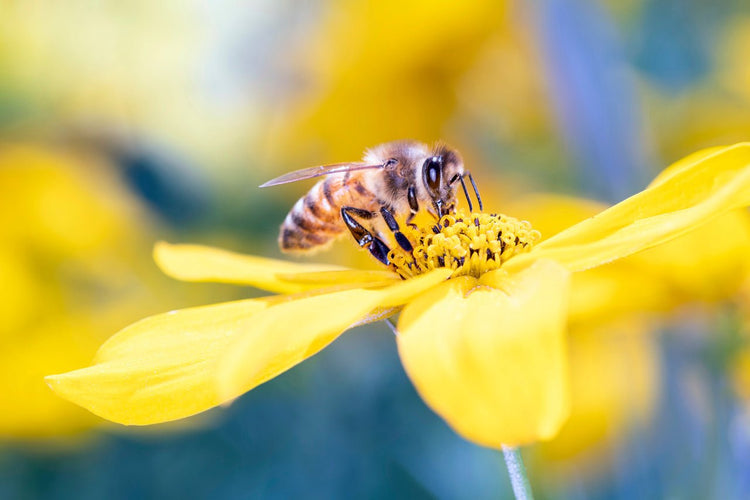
x,y
394,181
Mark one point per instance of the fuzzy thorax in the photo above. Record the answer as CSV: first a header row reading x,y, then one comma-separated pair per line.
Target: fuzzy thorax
x,y
469,244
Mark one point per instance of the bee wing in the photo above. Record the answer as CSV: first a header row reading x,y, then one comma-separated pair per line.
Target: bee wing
x,y
309,173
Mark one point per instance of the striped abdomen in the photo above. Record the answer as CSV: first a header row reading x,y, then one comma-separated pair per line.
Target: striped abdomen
x,y
315,220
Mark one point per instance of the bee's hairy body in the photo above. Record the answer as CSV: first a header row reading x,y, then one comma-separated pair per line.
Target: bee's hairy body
x,y
315,220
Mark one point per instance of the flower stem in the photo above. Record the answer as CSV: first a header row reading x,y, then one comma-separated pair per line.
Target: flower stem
x,y
517,473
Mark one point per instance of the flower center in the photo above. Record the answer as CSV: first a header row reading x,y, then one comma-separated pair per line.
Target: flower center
x,y
470,244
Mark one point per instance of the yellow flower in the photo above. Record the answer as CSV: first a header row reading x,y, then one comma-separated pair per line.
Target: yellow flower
x,y
401,75
72,241
482,324
614,375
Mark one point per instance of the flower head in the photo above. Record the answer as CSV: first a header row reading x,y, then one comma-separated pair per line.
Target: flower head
x,y
483,312
468,244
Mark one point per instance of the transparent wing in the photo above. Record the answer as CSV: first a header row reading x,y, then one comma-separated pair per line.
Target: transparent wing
x,y
309,173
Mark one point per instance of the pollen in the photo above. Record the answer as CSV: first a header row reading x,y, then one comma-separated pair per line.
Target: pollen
x,y
469,244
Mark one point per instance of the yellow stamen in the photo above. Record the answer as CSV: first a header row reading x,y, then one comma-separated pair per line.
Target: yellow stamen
x,y
469,244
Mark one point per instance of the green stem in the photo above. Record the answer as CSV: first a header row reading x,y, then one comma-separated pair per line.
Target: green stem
x,y
517,473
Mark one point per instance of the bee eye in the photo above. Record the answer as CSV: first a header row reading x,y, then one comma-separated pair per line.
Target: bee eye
x,y
432,172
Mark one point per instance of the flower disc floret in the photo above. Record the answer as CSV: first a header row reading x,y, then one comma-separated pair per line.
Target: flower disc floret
x,y
470,244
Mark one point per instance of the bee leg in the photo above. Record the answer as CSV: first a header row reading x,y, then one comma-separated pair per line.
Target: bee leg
x,y
402,241
362,236
411,196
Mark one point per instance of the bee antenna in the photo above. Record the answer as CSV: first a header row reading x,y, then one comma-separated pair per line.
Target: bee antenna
x,y
476,191
466,193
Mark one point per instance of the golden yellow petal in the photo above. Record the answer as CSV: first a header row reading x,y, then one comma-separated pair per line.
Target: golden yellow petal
x,y
160,368
492,362
181,363
698,190
402,292
201,263
683,164
286,334
348,276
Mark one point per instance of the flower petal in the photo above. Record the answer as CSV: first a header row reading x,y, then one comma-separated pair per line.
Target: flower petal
x,y
404,291
348,276
160,368
284,335
167,367
201,263
692,193
492,363
685,163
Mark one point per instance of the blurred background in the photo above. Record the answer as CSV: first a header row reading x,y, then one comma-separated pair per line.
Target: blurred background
x,y
125,123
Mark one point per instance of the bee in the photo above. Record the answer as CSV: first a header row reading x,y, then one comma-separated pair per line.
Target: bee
x,y
394,181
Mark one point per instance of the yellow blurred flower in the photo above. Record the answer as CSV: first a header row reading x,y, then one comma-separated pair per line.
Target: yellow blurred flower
x,y
482,327
71,260
613,372
393,75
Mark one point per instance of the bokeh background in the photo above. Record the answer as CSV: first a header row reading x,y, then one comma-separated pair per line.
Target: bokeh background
x,y
125,123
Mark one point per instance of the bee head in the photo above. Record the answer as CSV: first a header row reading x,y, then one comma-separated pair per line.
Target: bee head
x,y
440,175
